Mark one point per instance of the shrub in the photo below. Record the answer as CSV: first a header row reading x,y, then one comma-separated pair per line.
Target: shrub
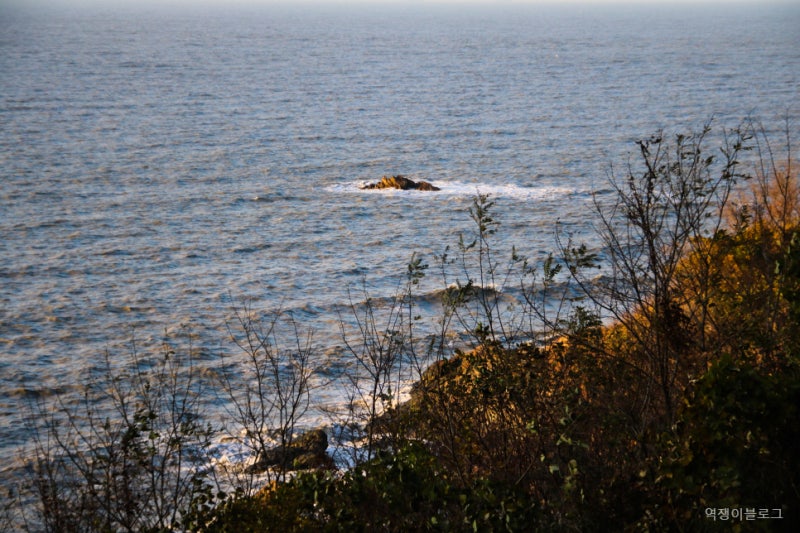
x,y
130,457
734,445
404,491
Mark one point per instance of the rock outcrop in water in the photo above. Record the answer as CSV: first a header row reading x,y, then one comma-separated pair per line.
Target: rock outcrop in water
x,y
307,451
402,183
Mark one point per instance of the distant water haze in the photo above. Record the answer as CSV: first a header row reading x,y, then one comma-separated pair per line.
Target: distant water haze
x,y
156,169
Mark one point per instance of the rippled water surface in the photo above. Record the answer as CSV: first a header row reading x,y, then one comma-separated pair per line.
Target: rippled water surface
x,y
156,168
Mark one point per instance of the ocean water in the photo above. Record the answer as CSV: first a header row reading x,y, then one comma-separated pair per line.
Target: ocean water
x,y
157,168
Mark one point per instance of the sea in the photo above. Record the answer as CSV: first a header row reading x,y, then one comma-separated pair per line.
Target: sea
x,y
162,169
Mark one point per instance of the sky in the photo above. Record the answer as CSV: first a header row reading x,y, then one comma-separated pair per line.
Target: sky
x,y
189,3
193,5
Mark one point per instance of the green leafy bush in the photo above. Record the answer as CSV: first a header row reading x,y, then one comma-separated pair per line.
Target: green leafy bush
x,y
735,444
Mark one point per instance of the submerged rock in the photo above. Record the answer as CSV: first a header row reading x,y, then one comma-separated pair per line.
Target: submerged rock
x,y
307,451
402,183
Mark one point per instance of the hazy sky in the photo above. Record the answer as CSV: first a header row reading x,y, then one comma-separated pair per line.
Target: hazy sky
x,y
331,4
379,2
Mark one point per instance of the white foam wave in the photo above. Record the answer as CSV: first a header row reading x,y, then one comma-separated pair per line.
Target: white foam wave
x,y
463,189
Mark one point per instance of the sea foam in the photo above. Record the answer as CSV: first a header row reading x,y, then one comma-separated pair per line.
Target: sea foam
x,y
462,189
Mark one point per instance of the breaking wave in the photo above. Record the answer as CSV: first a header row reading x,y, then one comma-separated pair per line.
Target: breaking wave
x,y
464,189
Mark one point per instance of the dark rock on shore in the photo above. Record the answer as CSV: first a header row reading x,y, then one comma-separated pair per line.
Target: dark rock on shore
x,y
402,183
306,452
